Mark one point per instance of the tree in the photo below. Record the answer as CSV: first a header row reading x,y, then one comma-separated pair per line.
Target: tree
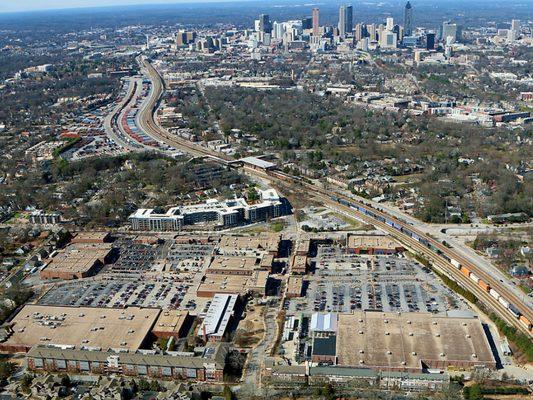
x,y
65,380
155,386
227,393
144,385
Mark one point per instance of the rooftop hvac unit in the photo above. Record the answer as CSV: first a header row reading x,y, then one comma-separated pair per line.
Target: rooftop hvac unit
x,y
389,352
442,354
413,353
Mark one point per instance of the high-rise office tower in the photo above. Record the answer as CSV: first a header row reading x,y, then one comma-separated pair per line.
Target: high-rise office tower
x,y
264,23
515,25
316,22
390,23
449,30
342,21
408,19
358,32
430,41
349,19
307,23
372,32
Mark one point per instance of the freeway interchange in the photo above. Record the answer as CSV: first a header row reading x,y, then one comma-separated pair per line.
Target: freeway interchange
x,y
443,258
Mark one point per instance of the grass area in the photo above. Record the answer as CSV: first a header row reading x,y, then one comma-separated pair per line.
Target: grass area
x,y
525,289
352,222
277,226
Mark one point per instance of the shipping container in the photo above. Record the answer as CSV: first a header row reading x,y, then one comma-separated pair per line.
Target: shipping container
x,y
512,308
503,302
485,286
465,271
525,321
455,263
474,277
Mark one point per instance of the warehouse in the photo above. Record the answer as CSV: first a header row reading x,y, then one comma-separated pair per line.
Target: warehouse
x,y
101,328
411,342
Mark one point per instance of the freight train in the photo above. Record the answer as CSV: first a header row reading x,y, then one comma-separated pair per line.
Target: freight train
x,y
511,308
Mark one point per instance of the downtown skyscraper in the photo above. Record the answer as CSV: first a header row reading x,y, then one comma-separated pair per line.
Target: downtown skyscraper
x,y
316,21
408,19
345,20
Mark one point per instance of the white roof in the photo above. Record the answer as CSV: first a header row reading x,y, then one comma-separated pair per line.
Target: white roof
x,y
218,315
324,322
257,162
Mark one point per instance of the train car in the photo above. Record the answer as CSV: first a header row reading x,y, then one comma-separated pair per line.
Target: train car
x,y
425,242
515,311
494,294
455,263
503,302
525,321
465,271
474,277
389,222
484,285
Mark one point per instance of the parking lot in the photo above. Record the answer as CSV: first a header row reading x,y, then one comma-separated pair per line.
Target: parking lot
x,y
349,282
135,257
117,293
189,257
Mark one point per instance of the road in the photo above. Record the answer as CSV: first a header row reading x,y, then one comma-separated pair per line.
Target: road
x,y
112,119
471,261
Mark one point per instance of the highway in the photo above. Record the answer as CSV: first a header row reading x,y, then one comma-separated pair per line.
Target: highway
x,y
111,121
150,127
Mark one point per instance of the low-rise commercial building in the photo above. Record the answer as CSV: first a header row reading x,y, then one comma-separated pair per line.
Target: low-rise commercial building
x,y
373,244
78,260
171,323
96,328
219,314
299,265
212,284
411,342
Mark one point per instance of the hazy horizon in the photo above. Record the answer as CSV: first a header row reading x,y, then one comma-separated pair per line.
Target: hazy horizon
x,y
37,5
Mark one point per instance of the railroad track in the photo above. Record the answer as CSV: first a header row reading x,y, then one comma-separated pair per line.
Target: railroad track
x,y
436,257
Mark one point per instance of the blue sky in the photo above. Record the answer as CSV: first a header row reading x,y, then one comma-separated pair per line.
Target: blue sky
x,y
32,5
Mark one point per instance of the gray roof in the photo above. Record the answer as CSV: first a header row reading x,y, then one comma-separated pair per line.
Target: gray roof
x,y
159,360
343,371
325,346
